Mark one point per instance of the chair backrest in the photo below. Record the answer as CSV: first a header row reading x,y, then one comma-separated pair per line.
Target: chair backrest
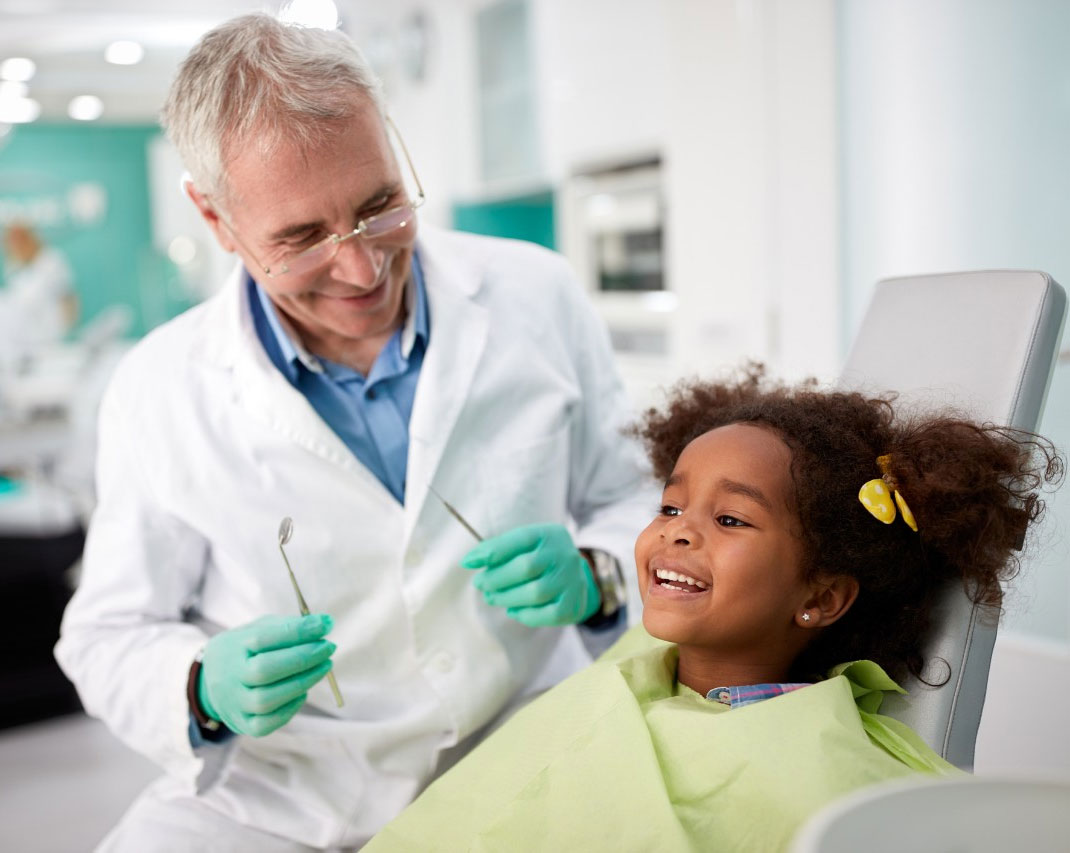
x,y
943,816
984,343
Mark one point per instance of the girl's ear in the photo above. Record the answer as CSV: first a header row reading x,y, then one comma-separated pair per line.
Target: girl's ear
x,y
830,598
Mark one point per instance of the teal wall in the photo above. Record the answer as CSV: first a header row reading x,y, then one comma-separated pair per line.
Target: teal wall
x,y
526,217
86,190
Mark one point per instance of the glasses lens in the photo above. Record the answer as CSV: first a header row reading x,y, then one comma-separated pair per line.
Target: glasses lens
x,y
376,226
315,257
390,220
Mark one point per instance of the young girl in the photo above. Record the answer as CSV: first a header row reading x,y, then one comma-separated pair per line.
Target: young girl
x,y
802,538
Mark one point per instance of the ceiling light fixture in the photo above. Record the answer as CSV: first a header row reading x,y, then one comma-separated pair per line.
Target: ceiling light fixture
x,y
19,110
322,14
124,53
17,69
85,108
11,89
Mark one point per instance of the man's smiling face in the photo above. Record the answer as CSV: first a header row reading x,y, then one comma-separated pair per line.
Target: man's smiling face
x,y
291,199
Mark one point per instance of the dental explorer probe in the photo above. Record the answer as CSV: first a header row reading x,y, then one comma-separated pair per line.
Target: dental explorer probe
x,y
286,532
454,513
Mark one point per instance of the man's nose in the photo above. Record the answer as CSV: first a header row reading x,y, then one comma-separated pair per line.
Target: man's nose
x,y
358,262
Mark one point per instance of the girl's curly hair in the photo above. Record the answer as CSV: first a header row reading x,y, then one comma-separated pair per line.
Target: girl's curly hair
x,y
972,488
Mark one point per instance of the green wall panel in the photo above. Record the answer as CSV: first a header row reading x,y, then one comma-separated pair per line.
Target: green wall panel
x,y
526,217
86,190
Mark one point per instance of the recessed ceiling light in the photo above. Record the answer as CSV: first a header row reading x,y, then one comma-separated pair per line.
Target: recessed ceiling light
x,y
19,110
124,53
12,89
322,14
17,68
85,108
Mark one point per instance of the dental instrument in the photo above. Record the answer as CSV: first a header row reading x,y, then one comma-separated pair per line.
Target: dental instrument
x,y
286,532
454,513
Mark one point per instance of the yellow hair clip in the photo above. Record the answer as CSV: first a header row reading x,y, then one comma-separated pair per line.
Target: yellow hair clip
x,y
880,497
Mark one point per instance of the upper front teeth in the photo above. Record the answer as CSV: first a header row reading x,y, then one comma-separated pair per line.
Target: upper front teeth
x,y
665,575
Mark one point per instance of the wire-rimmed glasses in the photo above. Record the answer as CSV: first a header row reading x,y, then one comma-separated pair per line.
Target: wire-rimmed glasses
x,y
379,225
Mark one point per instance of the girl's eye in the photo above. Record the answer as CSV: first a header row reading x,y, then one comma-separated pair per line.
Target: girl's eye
x,y
670,510
730,521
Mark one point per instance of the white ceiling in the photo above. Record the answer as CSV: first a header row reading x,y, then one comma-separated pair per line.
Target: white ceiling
x,y
66,38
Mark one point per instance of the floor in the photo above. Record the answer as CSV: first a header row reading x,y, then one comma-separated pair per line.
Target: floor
x,y
63,784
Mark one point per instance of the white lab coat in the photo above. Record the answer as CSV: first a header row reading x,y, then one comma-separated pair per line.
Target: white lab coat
x,y
205,447
33,306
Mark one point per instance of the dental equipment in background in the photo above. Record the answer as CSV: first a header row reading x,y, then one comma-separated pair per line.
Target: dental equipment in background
x,y
286,532
454,513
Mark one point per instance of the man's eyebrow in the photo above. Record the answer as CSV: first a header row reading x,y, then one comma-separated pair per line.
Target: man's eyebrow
x,y
747,490
385,191
291,230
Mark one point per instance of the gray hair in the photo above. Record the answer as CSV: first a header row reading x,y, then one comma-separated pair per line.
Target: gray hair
x,y
254,75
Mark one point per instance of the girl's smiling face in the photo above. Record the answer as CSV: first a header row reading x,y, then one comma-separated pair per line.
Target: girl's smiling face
x,y
719,567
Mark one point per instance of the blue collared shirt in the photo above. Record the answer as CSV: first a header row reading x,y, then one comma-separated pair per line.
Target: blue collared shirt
x,y
737,697
369,413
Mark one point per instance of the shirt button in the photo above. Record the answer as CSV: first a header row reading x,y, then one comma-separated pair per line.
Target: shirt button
x,y
443,662
371,394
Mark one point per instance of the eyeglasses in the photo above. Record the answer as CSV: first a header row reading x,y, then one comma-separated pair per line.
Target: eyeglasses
x,y
322,253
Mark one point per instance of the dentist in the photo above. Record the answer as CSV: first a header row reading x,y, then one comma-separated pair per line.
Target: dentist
x,y
349,362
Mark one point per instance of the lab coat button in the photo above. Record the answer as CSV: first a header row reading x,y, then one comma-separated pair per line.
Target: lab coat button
x,y
415,557
443,661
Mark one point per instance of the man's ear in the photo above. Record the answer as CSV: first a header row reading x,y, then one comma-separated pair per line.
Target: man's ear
x,y
829,599
211,216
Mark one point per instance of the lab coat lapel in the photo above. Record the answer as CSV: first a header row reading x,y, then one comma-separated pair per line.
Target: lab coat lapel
x,y
265,394
459,328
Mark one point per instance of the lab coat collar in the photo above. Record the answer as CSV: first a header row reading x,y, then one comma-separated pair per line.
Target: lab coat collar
x,y
459,323
459,335
229,343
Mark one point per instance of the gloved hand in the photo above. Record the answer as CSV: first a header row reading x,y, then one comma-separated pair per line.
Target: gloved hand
x,y
256,677
536,573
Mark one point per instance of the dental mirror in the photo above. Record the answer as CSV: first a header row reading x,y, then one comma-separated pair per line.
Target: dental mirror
x,y
286,532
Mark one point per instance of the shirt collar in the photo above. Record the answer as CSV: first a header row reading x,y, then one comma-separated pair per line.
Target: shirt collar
x,y
417,322
737,697
286,336
416,326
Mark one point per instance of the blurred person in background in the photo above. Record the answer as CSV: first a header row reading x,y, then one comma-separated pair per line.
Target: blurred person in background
x,y
38,305
348,365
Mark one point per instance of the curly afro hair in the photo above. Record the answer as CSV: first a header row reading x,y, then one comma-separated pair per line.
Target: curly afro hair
x,y
972,488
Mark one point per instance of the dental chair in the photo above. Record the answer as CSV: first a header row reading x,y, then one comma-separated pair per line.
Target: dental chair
x,y
943,816
984,343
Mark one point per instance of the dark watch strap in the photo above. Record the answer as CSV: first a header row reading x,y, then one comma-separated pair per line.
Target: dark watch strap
x,y
207,724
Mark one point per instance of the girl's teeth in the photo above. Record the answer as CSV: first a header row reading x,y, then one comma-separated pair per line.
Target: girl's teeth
x,y
666,575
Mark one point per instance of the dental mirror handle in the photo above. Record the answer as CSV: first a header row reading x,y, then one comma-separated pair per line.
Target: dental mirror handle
x,y
303,606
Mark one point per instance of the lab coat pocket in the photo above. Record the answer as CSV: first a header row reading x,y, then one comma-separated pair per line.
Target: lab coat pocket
x,y
528,484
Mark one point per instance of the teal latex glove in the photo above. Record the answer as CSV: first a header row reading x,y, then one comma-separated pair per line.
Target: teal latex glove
x,y
537,574
256,677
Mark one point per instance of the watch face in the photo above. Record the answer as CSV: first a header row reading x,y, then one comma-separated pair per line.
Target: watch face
x,y
607,574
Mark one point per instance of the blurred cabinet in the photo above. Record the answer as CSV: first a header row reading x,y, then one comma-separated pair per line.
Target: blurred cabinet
x,y
613,229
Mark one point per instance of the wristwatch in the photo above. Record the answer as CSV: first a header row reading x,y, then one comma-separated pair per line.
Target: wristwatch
x,y
610,579
206,723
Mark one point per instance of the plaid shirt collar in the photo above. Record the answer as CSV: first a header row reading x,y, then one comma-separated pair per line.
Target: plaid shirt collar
x,y
748,694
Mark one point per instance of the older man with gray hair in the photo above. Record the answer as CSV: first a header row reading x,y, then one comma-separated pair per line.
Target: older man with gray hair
x,y
348,371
